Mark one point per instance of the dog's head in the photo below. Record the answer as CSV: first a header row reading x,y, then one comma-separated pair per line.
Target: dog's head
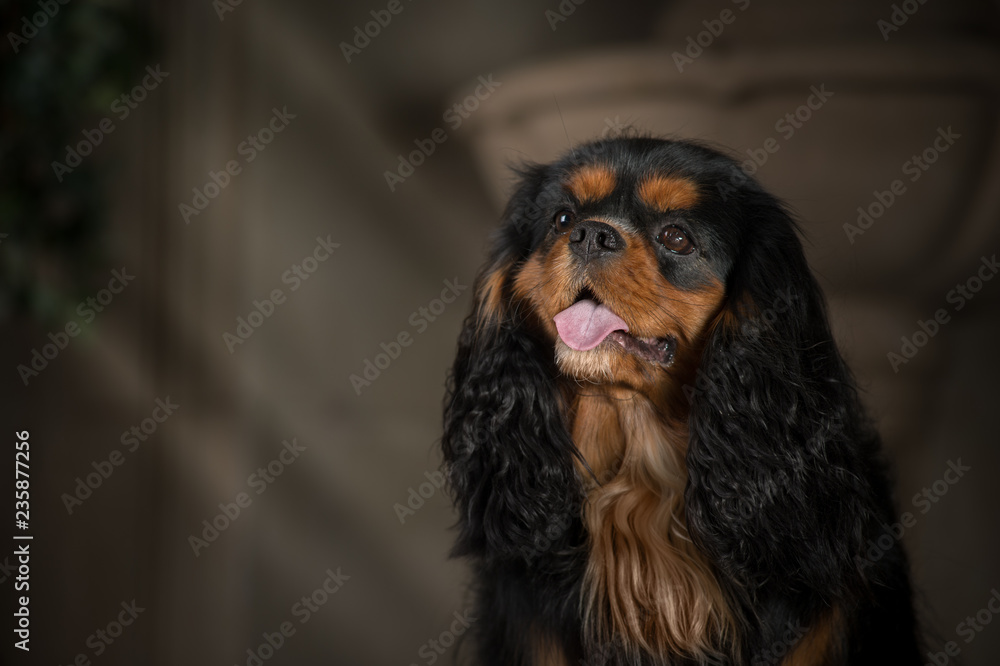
x,y
649,266
628,253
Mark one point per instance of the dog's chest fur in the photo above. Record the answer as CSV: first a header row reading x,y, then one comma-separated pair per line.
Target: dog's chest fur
x,y
645,579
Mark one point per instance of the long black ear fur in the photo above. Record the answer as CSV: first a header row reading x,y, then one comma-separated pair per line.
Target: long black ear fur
x,y
507,452
780,452
786,487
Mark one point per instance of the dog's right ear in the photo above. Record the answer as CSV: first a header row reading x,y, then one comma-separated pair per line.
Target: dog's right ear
x,y
507,453
780,449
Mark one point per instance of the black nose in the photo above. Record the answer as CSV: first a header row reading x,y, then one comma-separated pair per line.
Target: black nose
x,y
592,239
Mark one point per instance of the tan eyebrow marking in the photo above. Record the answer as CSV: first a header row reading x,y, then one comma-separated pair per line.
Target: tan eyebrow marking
x,y
592,183
665,193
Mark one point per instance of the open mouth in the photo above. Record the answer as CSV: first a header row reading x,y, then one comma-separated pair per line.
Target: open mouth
x,y
588,323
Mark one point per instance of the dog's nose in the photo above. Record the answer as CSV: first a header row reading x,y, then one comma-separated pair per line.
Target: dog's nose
x,y
592,239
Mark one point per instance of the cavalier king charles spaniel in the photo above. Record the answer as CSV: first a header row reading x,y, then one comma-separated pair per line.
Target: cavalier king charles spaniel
x,y
657,453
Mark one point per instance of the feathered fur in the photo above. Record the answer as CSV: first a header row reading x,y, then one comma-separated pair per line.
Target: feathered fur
x,y
715,508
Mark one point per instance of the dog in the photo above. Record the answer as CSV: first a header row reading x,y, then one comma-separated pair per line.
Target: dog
x,y
655,449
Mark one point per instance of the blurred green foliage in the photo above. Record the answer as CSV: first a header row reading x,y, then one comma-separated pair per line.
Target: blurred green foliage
x,y
62,66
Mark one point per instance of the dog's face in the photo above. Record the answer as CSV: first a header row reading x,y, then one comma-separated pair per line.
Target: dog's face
x,y
629,246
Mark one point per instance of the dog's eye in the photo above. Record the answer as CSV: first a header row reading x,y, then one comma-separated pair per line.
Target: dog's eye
x,y
674,239
563,220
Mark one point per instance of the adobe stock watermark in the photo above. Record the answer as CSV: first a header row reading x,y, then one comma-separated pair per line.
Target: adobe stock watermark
x,y
248,149
302,610
968,629
963,292
774,653
37,21
7,569
22,602
613,127
542,541
420,320
751,327
258,482
418,496
541,205
432,650
223,7
294,277
87,310
915,167
381,18
122,107
774,489
696,44
131,440
923,500
454,116
900,14
565,9
786,126
104,637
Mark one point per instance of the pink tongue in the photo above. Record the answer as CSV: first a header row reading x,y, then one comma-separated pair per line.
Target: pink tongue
x,y
585,324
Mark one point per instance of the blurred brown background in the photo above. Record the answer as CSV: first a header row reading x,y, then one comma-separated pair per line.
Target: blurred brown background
x,y
559,74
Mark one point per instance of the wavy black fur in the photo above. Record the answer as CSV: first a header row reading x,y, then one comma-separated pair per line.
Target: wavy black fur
x,y
786,489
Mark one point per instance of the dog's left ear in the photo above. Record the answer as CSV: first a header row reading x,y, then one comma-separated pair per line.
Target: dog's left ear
x,y
780,451
507,452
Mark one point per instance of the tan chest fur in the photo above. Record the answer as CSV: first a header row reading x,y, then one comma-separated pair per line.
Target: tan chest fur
x,y
645,580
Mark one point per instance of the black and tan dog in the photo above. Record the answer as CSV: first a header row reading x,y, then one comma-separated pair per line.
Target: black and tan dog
x,y
657,453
